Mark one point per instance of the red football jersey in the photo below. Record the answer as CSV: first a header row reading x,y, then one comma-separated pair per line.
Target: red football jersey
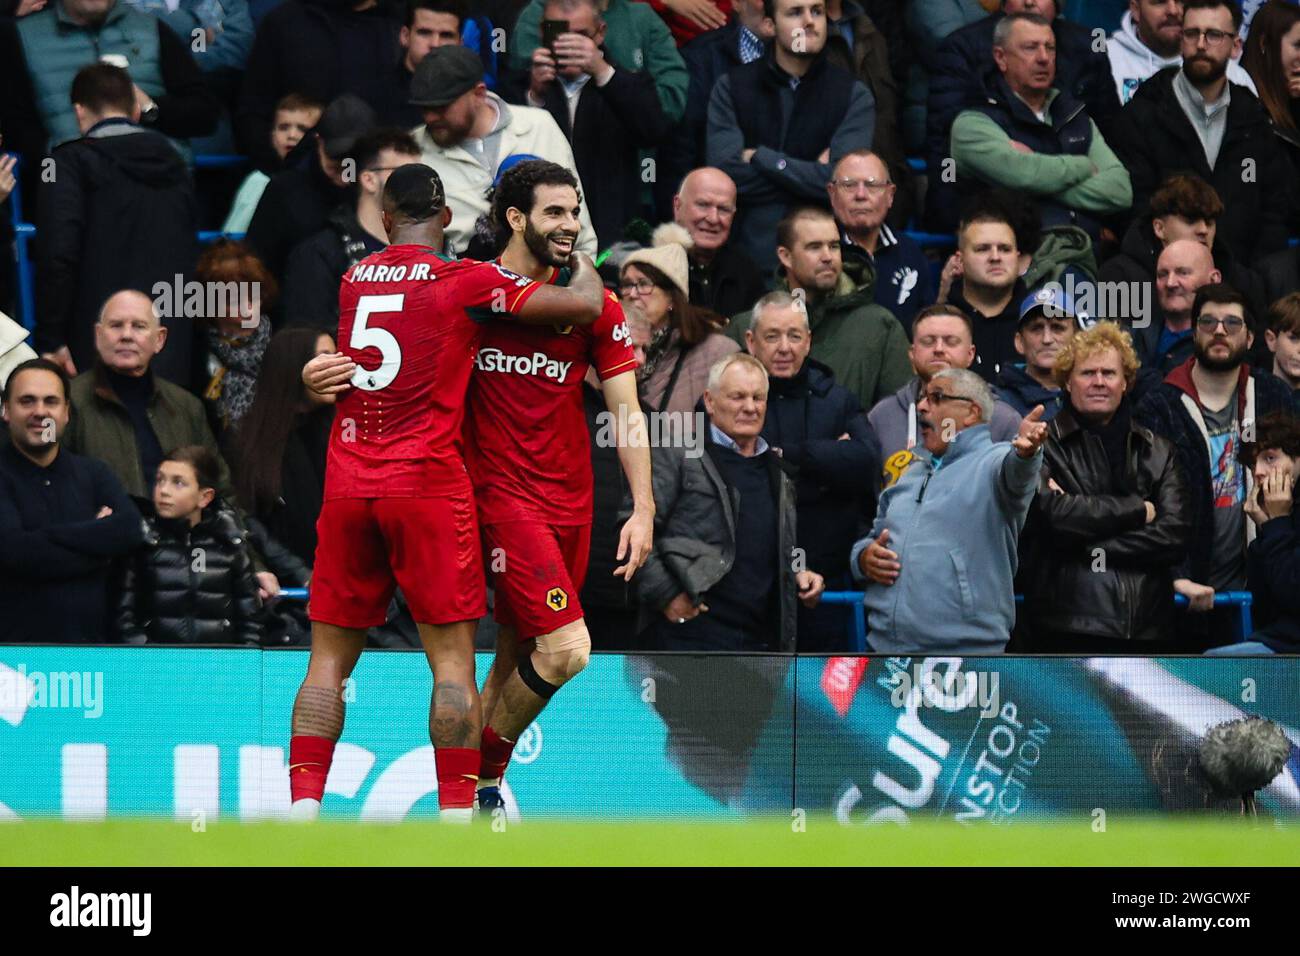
x,y
411,319
527,446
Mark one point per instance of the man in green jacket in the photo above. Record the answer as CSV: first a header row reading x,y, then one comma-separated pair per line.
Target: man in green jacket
x,y
862,342
1034,139
129,418
637,40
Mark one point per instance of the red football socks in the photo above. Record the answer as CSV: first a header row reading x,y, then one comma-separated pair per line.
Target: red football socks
x,y
309,765
457,776
496,751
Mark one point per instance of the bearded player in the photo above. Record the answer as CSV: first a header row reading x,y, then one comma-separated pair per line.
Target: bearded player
x,y
528,453
398,507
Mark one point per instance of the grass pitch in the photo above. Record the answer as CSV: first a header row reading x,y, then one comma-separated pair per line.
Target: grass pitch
x,y
769,842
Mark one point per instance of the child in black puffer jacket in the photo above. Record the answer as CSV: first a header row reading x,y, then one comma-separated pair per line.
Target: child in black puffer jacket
x,y
191,582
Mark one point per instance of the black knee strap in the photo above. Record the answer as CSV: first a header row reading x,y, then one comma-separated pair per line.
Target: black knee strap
x,y
533,680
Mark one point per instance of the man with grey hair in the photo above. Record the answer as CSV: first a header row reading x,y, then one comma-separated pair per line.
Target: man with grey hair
x,y
820,430
723,278
725,574
1030,136
941,557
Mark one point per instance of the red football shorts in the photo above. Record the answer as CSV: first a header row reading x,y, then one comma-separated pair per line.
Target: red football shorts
x,y
537,571
366,547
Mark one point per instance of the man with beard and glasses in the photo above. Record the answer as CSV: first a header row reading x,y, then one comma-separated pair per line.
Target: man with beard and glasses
x,y
1208,407
468,133
1194,119
1150,39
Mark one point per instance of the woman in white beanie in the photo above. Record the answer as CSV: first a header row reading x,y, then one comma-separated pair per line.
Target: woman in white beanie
x,y
685,340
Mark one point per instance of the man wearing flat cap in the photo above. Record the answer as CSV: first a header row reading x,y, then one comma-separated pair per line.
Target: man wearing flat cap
x,y
468,132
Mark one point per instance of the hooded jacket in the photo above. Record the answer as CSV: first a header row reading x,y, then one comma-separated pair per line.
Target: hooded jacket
x,y
954,523
1172,411
1129,595
1132,62
859,341
1273,575
120,214
316,266
191,585
897,424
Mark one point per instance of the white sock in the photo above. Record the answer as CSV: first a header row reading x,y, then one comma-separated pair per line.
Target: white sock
x,y
305,809
456,815
488,782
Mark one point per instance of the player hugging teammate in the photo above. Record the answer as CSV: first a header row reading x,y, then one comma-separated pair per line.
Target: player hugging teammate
x,y
399,508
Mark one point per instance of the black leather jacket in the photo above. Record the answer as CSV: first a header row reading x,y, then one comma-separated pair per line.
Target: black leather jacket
x,y
1091,565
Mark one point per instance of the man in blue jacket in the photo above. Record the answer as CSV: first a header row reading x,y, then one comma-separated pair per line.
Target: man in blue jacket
x,y
820,430
941,557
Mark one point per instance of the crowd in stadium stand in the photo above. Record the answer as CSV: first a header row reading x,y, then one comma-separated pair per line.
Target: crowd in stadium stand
x,y
1023,388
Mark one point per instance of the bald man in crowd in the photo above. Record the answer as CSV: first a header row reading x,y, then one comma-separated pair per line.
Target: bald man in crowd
x,y
723,277
1164,341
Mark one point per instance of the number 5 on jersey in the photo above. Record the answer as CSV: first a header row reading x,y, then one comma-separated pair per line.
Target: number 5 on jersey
x,y
390,352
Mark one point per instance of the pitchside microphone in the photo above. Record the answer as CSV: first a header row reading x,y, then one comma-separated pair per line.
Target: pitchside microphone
x,y
1200,752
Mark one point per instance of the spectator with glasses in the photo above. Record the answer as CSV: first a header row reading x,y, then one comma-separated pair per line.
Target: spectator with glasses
x,y
1194,119
1208,407
685,340
941,557
862,193
352,231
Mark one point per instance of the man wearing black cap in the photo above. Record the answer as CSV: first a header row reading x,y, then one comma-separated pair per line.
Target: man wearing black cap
x,y
1047,323
468,132
297,202
399,508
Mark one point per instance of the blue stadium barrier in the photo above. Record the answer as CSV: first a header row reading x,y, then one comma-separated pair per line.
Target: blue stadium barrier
x,y
1239,599
916,164
219,161
293,594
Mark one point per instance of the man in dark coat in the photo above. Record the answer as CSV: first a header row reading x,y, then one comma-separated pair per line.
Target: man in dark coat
x,y
1191,118
725,573
965,69
63,519
722,278
1208,407
820,430
120,213
608,111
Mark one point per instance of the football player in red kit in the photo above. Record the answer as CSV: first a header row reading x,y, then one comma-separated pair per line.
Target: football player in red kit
x,y
398,504
528,452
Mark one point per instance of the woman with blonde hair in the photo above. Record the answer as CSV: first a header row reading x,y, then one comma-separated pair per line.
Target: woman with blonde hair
x,y
1111,517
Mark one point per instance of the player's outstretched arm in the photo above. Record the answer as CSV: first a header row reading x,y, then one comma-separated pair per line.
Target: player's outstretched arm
x,y
578,303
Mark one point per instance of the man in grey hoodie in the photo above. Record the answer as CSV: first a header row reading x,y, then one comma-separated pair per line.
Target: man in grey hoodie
x,y
941,557
941,339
